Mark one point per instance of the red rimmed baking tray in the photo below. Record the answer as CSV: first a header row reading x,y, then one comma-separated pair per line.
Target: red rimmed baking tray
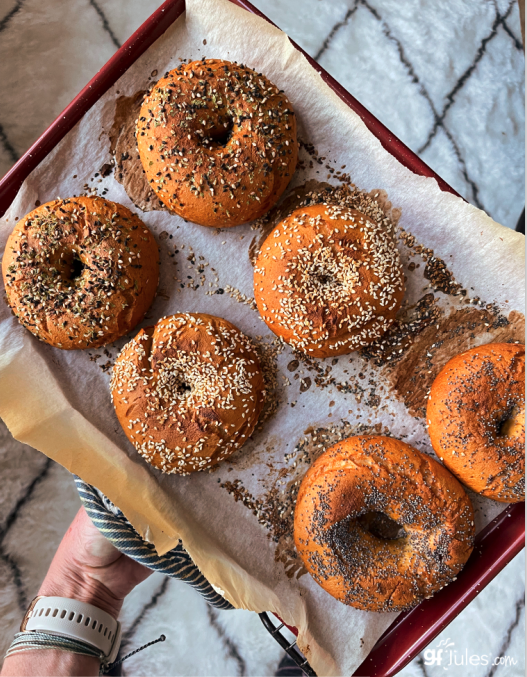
x,y
501,540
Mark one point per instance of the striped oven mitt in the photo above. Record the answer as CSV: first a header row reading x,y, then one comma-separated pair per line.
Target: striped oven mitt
x,y
115,527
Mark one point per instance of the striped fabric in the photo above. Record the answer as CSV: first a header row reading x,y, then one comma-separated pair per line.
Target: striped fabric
x,y
115,527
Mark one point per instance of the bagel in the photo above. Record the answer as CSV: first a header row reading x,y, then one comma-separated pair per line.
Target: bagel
x,y
328,280
188,392
217,142
381,526
80,273
476,419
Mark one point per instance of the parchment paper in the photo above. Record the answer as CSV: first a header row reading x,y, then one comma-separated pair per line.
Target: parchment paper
x,y
236,521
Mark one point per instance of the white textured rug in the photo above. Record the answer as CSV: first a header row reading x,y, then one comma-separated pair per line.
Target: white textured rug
x,y
448,79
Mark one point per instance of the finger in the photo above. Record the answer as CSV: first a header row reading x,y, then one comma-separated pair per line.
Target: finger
x,y
124,572
93,548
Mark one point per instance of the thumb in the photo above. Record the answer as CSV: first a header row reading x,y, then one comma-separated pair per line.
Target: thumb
x,y
97,550
89,546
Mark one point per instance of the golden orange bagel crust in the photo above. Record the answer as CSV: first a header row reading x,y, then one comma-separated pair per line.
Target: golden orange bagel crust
x,y
342,535
218,142
476,419
80,273
328,280
188,392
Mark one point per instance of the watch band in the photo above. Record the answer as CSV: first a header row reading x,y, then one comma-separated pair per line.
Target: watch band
x,y
77,620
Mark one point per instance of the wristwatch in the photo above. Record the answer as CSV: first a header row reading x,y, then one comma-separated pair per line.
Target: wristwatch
x,y
77,620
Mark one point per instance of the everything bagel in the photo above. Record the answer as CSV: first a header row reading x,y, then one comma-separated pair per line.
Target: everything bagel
x,y
217,142
80,273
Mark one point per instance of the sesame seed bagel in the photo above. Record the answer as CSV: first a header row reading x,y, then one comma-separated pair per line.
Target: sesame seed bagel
x,y
188,392
80,273
217,142
381,526
328,280
476,419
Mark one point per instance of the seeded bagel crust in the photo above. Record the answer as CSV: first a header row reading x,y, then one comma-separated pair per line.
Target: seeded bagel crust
x,y
81,272
328,280
217,142
476,420
344,543
188,392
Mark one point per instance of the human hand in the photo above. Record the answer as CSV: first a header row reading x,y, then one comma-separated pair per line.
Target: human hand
x,y
90,569
87,568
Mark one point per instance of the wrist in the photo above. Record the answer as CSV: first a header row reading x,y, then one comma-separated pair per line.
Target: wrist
x,y
50,662
80,585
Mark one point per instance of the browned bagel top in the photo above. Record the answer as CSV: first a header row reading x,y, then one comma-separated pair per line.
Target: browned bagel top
x,y
381,526
476,419
328,279
80,272
188,392
217,141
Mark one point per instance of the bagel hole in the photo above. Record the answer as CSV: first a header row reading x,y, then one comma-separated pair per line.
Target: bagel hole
x,y
180,386
325,278
512,424
77,266
221,134
381,526
69,266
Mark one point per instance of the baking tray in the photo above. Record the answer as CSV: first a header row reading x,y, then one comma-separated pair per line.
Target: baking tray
x,y
500,540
